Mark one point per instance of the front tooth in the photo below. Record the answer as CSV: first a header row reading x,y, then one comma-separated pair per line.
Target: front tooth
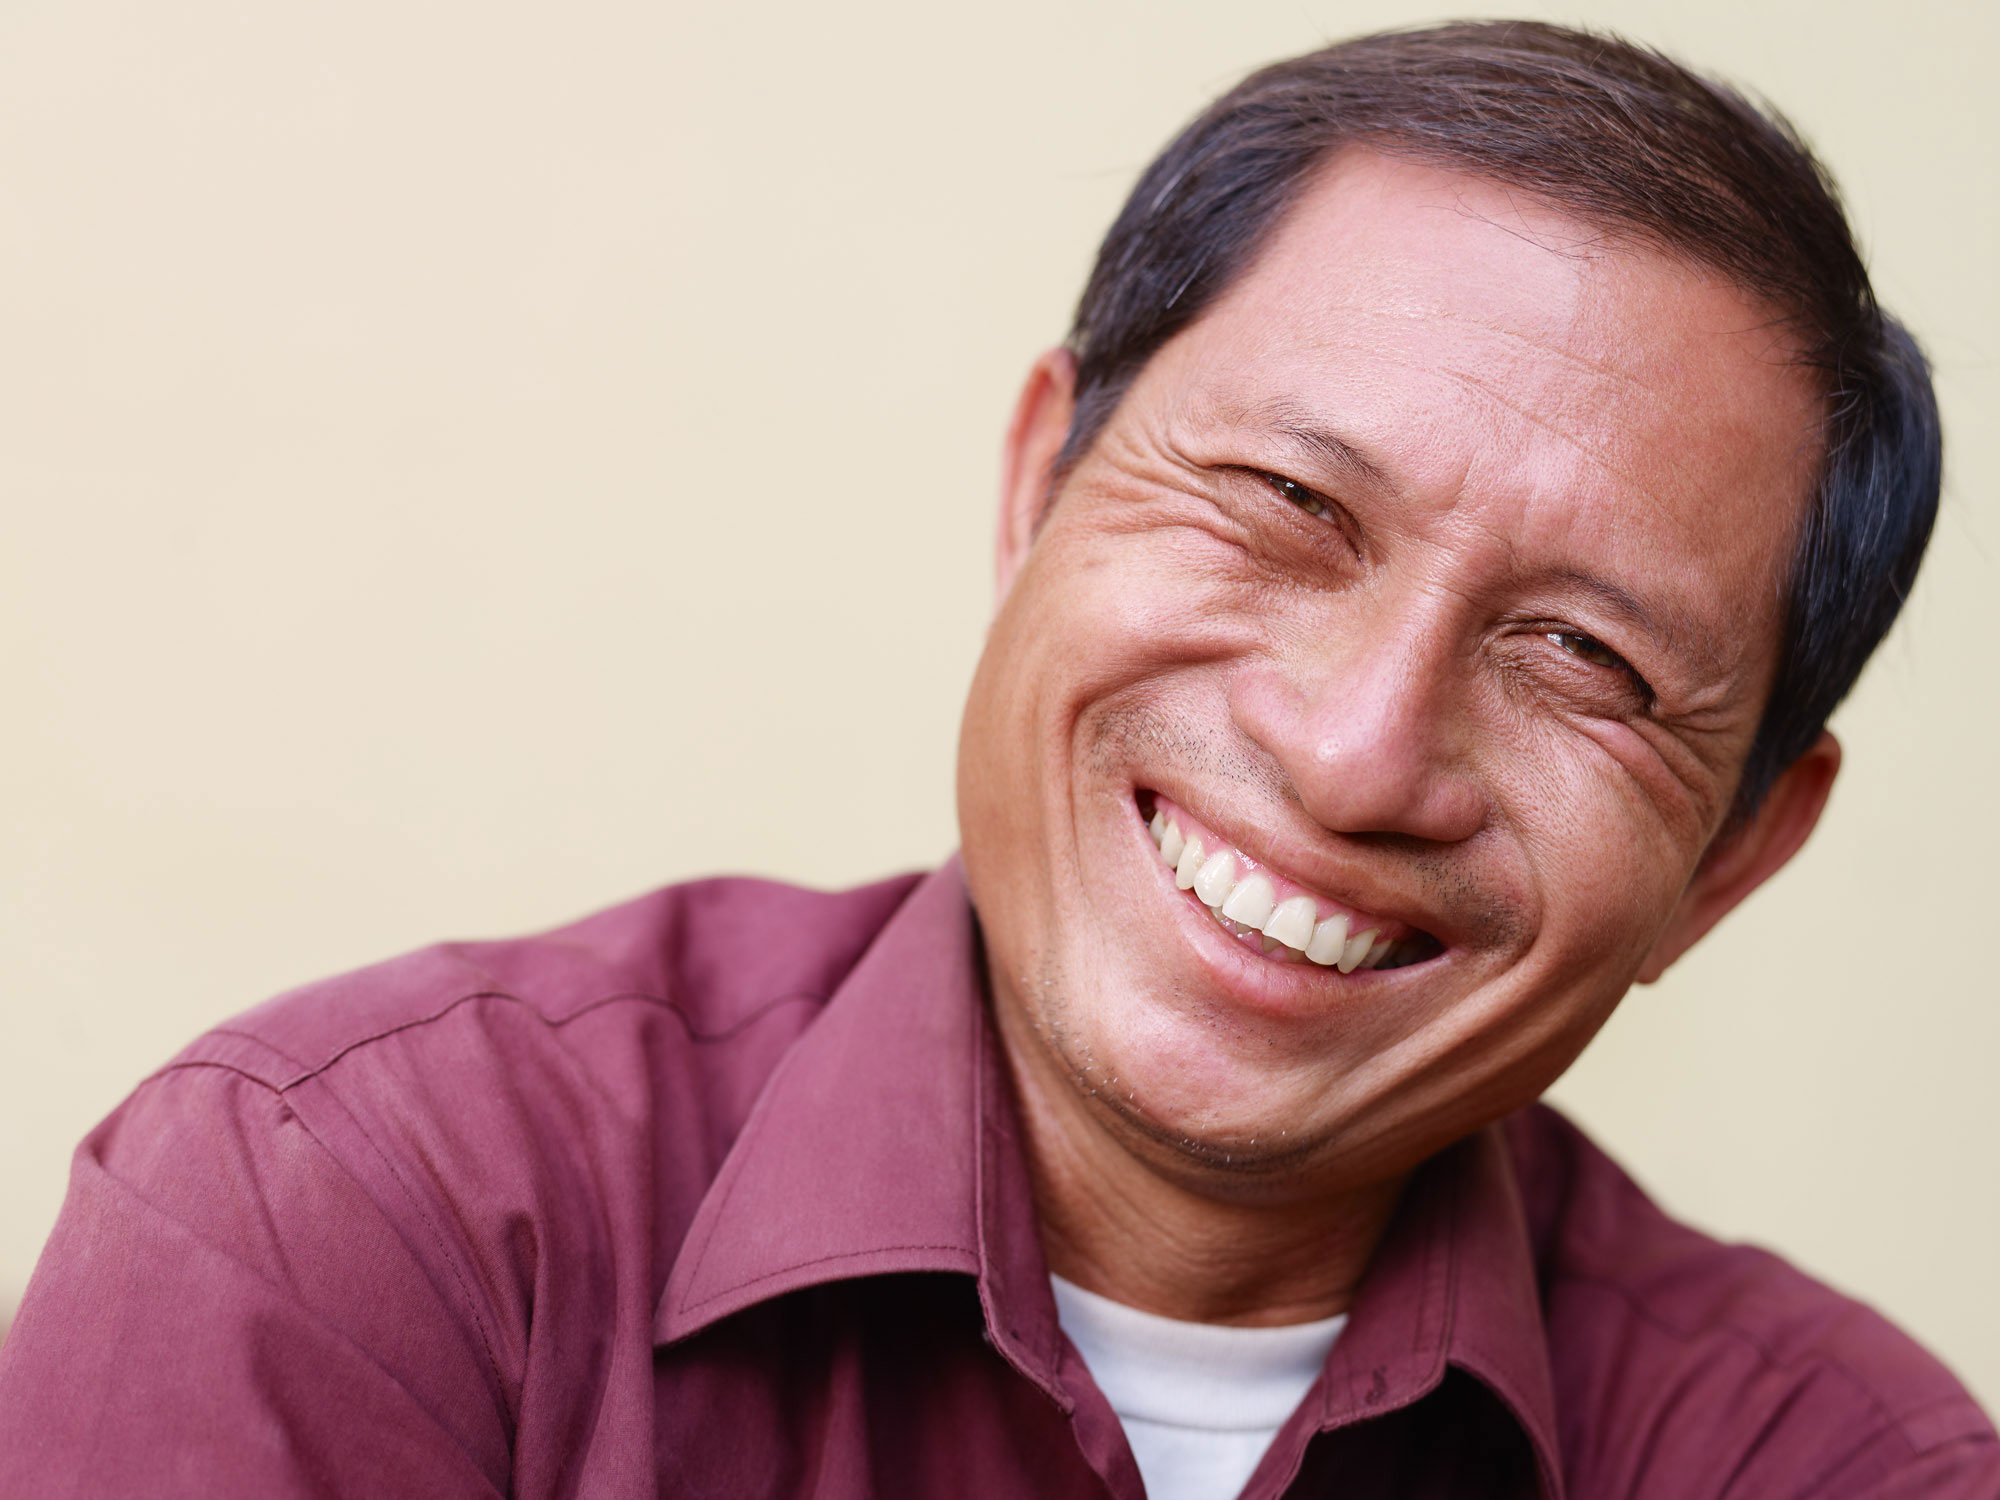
x,y
1171,844
1158,825
1187,864
1292,923
1252,902
1216,878
1329,940
1356,950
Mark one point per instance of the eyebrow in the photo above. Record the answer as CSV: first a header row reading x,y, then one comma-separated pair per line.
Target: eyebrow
x,y
1669,625
1330,449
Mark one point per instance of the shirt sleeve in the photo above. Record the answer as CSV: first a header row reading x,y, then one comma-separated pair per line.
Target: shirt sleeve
x,y
222,1311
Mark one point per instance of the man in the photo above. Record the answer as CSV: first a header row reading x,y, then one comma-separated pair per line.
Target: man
x,y
1477,470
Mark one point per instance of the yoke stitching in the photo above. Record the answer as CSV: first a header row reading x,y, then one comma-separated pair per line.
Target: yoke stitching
x,y
1765,1353
439,1241
444,1251
694,1034
1834,1466
275,1288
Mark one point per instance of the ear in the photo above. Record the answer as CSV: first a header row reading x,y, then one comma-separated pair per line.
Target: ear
x,y
1028,459
1740,861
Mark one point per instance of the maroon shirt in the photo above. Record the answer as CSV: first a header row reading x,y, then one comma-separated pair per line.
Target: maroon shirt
x,y
721,1193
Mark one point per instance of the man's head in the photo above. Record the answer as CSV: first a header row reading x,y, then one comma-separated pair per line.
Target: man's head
x,y
1478,469
1632,145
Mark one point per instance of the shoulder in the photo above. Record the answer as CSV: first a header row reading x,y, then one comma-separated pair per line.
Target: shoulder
x,y
1678,1352
442,1190
713,954
560,1084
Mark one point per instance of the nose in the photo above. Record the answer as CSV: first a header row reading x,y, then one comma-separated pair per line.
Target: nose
x,y
1372,725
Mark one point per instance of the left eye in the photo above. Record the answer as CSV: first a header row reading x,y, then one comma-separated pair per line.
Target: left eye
x,y
1590,649
1297,493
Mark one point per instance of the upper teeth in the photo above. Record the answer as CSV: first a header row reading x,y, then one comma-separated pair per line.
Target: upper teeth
x,y
1252,901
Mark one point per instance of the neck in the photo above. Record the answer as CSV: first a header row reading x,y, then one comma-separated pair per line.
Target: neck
x,y
1122,1217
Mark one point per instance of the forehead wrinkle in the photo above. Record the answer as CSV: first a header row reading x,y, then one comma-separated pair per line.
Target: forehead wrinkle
x,y
1538,344
1604,369
1533,418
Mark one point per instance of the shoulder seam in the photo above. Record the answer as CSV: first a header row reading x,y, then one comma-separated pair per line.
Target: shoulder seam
x,y
306,1073
1890,1418
1898,1426
443,1246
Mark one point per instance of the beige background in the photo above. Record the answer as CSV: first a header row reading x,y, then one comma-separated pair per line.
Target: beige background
x,y
463,463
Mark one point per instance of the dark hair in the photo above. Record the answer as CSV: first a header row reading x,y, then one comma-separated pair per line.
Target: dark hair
x,y
1623,138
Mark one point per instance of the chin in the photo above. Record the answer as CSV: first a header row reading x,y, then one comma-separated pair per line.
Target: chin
x,y
1184,1077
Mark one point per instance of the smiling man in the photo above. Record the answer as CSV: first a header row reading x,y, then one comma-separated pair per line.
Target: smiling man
x,y
1477,470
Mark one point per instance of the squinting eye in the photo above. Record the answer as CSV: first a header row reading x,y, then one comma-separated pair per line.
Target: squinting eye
x,y
1297,493
1593,651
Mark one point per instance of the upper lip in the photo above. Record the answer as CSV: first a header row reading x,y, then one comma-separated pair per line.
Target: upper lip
x,y
1306,862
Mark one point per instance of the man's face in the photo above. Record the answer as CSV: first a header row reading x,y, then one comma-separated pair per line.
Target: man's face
x,y
1434,576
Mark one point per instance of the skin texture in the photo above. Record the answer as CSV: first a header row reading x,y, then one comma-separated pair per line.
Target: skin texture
x,y
1500,687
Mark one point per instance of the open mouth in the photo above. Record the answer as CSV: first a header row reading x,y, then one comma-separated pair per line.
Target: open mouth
x,y
1261,908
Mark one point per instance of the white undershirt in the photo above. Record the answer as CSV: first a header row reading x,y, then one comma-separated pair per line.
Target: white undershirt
x,y
1200,1402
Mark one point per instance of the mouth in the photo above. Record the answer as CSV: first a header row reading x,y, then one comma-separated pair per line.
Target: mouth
x,y
1269,912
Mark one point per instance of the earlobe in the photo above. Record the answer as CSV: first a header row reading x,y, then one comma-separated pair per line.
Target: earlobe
x,y
1740,862
1027,460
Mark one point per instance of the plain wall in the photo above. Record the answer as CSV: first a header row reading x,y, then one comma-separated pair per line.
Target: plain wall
x,y
463,464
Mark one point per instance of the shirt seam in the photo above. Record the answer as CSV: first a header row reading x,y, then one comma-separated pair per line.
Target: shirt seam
x,y
438,1239
451,1261
1835,1465
279,1291
1885,1414
556,1023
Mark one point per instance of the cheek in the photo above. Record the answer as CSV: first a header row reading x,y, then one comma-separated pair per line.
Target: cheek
x,y
1103,624
1089,631
1126,606
1607,861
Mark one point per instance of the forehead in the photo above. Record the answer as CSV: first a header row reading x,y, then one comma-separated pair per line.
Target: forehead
x,y
1514,374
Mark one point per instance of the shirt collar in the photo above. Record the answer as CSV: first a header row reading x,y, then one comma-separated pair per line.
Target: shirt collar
x,y
857,1158
887,1141
1453,1284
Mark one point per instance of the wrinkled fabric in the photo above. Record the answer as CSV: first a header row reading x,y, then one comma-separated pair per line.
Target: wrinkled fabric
x,y
721,1193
